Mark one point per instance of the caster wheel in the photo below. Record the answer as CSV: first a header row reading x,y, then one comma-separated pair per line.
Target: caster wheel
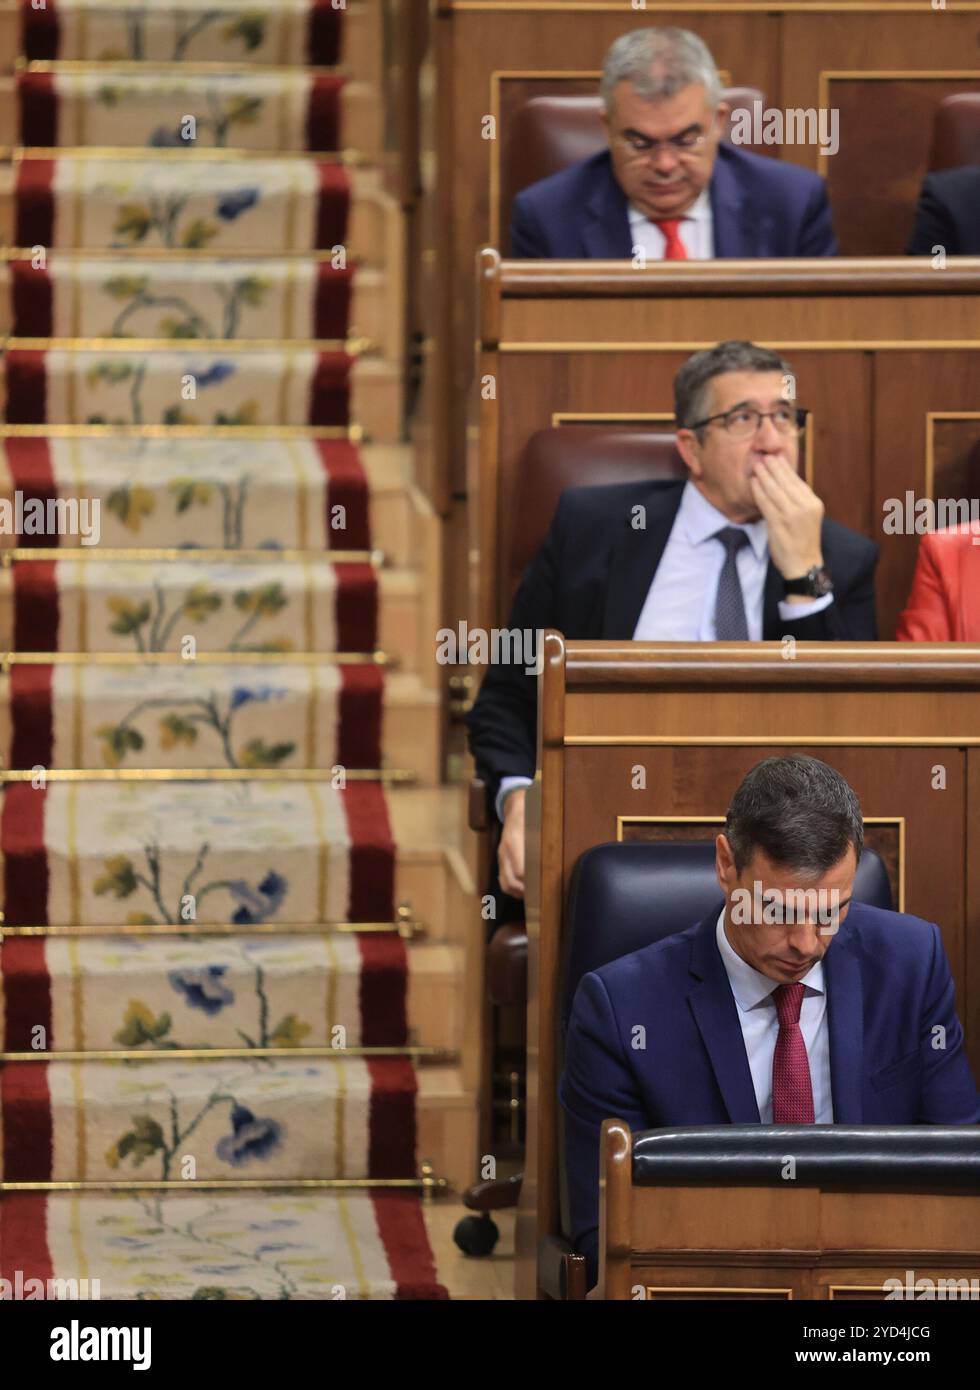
x,y
476,1235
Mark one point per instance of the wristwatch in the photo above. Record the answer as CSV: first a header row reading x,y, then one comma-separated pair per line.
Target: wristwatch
x,y
815,583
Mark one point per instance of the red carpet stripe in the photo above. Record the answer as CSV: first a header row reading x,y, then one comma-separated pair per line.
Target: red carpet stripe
x,y
38,109
34,219
331,305
372,867
357,608
25,899
25,859
384,1003
348,488
27,387
29,461
392,1137
323,114
330,389
406,1242
33,301
36,606
361,713
23,1237
324,33
31,716
40,30
332,206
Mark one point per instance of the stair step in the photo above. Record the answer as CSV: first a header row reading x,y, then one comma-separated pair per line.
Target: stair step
x,y
283,991
207,715
273,110
190,606
215,492
90,31
247,852
124,295
237,385
254,1244
324,716
269,1118
95,194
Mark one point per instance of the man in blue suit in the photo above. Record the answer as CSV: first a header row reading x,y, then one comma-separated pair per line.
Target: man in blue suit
x,y
774,1010
666,186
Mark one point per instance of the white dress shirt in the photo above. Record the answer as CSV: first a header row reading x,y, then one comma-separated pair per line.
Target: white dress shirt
x,y
760,1028
695,232
680,603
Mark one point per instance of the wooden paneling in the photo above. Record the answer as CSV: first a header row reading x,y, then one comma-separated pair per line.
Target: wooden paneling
x,y
886,125
697,717
908,386
786,51
884,353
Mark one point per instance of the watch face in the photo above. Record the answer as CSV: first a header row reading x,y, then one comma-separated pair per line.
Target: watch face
x,y
820,583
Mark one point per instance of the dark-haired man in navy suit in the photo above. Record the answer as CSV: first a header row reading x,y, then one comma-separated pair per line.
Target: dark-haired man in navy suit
x,y
808,1011
667,186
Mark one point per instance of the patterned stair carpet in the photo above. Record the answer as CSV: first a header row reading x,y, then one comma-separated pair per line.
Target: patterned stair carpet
x,y
165,31
144,868
222,493
247,851
109,992
205,716
179,200
129,606
227,1245
274,112
231,1118
163,386
78,297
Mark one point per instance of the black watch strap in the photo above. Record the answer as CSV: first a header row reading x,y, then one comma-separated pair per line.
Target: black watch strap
x,y
814,584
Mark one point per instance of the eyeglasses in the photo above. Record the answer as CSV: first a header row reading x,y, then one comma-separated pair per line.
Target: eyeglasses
x,y
744,420
688,143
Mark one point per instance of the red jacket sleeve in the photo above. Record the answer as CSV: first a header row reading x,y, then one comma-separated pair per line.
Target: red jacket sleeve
x,y
926,617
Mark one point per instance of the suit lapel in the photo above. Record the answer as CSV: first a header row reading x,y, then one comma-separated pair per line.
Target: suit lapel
x,y
716,1015
735,223
606,229
634,562
845,1023
771,594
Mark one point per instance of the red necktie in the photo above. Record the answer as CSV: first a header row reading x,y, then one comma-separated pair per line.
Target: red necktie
x,y
675,249
792,1093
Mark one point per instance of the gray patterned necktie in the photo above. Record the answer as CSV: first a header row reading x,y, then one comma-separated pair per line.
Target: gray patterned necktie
x,y
730,620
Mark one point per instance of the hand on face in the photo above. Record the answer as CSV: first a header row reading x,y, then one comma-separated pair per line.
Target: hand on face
x,y
793,514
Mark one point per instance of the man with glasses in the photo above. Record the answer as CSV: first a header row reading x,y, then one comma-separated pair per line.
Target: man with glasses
x,y
667,187
740,551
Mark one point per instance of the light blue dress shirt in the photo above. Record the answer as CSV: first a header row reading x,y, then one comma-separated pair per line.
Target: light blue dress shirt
x,y
760,1028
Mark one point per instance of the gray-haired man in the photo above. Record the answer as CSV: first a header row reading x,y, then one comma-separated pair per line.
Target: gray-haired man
x,y
667,186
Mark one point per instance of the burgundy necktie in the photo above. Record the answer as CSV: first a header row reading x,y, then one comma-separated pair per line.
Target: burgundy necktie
x,y
674,250
792,1093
